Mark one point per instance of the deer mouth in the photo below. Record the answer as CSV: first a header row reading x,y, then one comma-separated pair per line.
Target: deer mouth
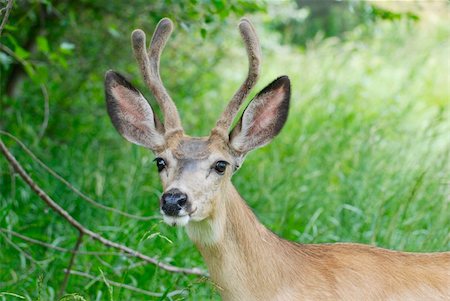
x,y
192,212
179,220
174,221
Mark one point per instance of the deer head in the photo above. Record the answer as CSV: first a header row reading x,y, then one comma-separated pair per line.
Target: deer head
x,y
195,171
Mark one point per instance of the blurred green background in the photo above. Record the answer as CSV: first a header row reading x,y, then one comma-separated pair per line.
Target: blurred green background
x,y
364,156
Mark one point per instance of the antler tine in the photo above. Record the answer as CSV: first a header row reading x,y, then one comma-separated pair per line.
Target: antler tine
x,y
149,65
252,45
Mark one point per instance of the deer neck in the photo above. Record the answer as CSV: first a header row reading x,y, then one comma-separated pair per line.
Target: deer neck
x,y
236,247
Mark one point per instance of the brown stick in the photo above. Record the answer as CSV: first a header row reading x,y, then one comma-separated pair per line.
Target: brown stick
x,y
46,111
25,254
60,249
55,207
17,278
70,186
69,267
5,18
126,286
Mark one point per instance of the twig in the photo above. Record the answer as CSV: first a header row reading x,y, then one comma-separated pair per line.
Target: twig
x,y
46,111
69,267
70,186
50,246
14,55
126,286
91,253
55,207
18,278
19,249
5,18
129,267
13,182
104,263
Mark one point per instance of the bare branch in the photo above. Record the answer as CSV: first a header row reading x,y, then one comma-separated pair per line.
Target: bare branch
x,y
129,267
126,286
16,278
19,249
46,111
69,267
70,186
5,18
90,253
14,55
60,249
77,225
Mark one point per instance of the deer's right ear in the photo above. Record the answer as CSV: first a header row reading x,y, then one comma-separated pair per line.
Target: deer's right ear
x,y
131,114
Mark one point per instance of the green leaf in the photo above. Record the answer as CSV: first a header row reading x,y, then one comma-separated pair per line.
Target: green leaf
x,y
113,32
2,294
42,44
10,28
110,289
219,4
21,53
28,69
42,73
203,33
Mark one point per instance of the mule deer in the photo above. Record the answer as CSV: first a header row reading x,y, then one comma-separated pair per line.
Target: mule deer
x,y
245,260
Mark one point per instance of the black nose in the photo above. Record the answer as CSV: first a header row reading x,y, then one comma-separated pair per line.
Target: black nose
x,y
173,201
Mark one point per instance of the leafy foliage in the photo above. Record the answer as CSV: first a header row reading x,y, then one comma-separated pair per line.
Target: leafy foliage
x,y
305,19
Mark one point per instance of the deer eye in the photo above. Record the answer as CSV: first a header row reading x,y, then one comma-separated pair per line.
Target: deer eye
x,y
220,167
160,164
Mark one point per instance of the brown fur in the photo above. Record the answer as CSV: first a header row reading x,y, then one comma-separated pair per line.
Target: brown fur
x,y
251,263
247,261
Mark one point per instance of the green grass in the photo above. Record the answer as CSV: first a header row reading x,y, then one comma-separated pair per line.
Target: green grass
x,y
364,157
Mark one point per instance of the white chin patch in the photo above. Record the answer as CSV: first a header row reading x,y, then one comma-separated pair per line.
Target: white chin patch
x,y
179,221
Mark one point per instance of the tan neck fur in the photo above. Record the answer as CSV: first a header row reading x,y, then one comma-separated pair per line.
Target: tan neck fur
x,y
248,262
237,248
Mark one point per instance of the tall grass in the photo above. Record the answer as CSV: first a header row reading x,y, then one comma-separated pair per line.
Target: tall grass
x,y
364,157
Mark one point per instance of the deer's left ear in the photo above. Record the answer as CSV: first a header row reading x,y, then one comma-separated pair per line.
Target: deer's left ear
x,y
263,118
